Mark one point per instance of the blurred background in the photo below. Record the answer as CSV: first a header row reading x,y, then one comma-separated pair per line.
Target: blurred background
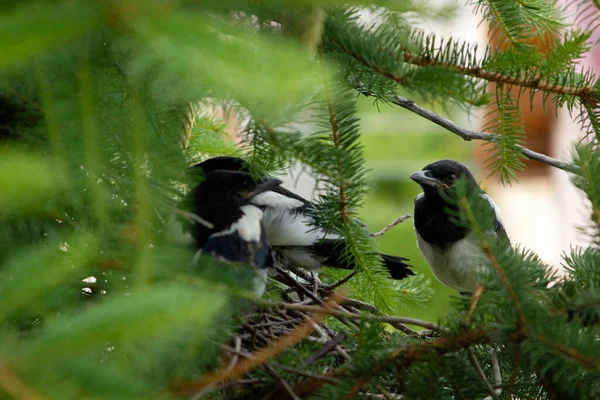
x,y
542,212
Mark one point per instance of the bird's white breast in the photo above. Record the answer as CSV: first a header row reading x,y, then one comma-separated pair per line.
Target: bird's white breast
x,y
286,228
456,266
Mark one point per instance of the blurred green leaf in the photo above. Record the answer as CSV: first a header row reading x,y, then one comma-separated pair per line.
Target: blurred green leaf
x,y
140,316
27,181
31,29
34,271
268,75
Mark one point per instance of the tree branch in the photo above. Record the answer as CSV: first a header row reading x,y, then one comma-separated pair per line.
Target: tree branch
x,y
467,134
389,226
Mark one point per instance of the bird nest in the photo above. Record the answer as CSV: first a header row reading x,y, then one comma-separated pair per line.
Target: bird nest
x,y
248,369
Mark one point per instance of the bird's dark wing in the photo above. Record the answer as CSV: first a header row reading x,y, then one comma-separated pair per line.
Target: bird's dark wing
x,y
232,248
333,249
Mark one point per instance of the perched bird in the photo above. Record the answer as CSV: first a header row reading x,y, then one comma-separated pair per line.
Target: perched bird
x,y
452,251
295,241
228,226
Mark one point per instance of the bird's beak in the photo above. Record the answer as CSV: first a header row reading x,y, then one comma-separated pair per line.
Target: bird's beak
x,y
267,184
422,179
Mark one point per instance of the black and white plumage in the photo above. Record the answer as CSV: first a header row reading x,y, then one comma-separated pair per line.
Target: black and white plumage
x,y
295,241
452,251
229,227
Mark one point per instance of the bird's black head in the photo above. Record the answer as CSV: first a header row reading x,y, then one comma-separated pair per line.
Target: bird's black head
x,y
221,163
229,187
442,176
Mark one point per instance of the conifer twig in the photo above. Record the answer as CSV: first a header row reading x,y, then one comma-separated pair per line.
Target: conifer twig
x,y
570,352
467,134
389,226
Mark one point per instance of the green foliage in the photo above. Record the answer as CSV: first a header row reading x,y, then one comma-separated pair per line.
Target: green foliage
x,y
96,99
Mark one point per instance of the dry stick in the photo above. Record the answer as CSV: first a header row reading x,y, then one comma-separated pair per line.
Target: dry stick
x,y
308,293
260,357
398,221
481,374
14,386
241,382
282,381
361,305
467,134
339,283
236,357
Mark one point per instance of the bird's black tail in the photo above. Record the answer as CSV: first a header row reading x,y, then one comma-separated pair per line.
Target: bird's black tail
x,y
332,250
396,266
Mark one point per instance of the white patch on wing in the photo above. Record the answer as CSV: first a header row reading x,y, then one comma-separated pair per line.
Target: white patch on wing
x,y
456,266
419,196
175,232
285,228
248,226
494,206
276,200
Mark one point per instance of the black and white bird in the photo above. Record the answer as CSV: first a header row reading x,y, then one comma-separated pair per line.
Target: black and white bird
x,y
452,251
228,226
295,241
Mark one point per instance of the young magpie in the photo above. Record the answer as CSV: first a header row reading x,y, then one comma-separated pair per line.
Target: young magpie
x,y
294,240
229,227
452,251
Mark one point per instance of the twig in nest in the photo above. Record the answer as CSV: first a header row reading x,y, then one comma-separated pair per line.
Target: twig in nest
x,y
236,357
398,220
330,345
353,316
339,283
260,357
281,381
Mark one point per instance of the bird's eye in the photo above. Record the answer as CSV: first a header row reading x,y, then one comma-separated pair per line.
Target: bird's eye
x,y
452,177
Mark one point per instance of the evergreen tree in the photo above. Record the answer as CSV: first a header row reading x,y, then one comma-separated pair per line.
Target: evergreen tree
x,y
100,116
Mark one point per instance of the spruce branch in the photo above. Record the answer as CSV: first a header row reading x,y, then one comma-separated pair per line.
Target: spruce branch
x,y
569,352
487,249
404,357
467,134
335,134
